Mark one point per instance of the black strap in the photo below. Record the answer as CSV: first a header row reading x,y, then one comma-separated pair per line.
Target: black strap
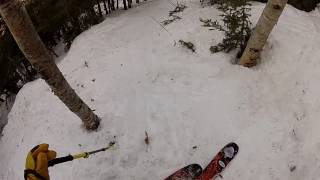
x,y
34,148
60,160
33,172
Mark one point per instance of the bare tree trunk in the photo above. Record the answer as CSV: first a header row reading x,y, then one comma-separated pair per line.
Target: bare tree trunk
x,y
99,8
105,6
137,1
112,5
129,3
125,4
267,21
20,25
109,5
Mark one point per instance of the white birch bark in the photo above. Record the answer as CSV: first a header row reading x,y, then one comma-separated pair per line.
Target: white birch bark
x,y
267,21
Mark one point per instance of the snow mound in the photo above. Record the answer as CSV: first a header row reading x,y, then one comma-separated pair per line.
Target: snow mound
x,y
138,78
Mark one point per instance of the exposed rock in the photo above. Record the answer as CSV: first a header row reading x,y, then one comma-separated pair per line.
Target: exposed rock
x,y
305,5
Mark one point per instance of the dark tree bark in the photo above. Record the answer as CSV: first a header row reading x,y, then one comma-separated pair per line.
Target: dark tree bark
x,y
129,3
105,6
99,8
112,5
23,31
109,5
125,5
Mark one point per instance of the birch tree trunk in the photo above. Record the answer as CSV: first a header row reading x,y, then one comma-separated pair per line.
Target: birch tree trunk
x,y
23,31
267,21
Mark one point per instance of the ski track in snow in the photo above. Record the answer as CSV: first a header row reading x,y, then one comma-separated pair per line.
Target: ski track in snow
x,y
140,79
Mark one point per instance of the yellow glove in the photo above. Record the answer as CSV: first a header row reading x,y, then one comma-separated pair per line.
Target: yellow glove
x,y
37,163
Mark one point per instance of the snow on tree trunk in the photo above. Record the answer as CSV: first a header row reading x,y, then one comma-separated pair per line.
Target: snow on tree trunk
x,y
23,31
267,21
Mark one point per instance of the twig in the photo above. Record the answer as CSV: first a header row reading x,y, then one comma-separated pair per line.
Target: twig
x,y
146,139
160,25
168,21
188,45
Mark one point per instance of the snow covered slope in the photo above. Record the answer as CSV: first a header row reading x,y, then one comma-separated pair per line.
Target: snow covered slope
x,y
138,79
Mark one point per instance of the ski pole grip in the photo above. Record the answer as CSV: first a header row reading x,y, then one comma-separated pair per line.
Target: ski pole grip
x,y
60,160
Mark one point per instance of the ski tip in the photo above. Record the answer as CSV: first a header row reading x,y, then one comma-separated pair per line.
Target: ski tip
x,y
234,145
231,149
188,172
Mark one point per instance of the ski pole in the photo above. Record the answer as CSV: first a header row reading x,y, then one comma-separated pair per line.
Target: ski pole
x,y
77,156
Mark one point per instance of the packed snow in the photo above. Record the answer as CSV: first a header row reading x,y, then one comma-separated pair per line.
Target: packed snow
x,y
139,79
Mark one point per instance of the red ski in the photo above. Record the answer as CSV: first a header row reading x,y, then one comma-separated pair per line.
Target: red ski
x,y
219,162
214,168
187,173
